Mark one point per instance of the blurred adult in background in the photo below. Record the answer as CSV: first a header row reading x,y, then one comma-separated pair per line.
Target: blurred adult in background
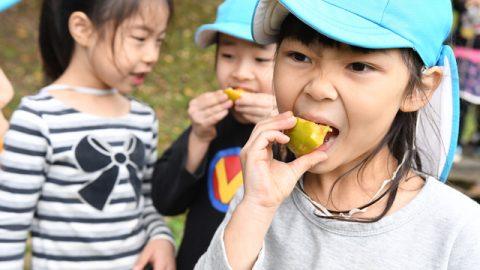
x,y
467,51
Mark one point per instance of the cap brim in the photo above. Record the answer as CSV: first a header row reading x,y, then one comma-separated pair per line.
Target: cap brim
x,y
327,19
4,4
205,35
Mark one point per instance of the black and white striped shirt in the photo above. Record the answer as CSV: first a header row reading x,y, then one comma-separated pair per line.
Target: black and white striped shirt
x,y
80,184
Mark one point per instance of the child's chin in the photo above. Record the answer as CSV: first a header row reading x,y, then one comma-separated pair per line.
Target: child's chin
x,y
125,89
321,168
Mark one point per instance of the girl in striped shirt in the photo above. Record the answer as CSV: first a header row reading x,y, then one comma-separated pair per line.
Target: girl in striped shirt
x,y
76,168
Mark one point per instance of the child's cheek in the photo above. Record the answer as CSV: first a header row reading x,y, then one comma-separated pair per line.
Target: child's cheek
x,y
285,100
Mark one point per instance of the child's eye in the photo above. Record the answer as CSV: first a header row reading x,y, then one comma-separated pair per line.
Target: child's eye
x,y
299,57
227,55
262,60
360,67
141,39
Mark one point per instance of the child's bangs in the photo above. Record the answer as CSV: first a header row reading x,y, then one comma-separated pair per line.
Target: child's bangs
x,y
117,11
293,28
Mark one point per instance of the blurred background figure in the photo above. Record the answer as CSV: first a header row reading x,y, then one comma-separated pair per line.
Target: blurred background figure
x,y
467,51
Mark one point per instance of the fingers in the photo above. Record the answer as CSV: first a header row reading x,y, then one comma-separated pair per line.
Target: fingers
x,y
268,137
256,106
255,111
209,108
164,265
256,100
302,164
215,118
198,115
224,106
209,99
142,260
160,265
279,122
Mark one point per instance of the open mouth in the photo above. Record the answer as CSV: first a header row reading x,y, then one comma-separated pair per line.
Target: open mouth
x,y
331,134
138,78
329,138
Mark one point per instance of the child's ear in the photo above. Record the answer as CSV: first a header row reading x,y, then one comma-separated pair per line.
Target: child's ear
x,y
81,28
431,79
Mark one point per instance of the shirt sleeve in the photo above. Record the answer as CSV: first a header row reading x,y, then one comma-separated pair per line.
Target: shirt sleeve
x,y
154,222
21,182
465,253
216,256
174,188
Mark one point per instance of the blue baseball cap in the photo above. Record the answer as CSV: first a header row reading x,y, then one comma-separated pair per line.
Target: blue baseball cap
x,y
4,4
422,25
233,18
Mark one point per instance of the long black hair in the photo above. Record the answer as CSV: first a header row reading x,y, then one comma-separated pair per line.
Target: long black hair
x,y
56,43
400,138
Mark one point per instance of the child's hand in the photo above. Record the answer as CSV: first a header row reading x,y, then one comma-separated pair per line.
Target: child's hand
x,y
268,181
205,111
255,107
159,253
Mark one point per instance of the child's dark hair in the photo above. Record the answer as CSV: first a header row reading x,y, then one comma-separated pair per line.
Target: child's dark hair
x,y
400,138
56,43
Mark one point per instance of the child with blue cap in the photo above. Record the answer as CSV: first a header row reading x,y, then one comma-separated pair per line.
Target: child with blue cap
x,y
201,171
6,89
4,4
378,74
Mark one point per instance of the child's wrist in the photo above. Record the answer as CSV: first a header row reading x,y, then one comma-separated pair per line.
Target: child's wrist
x,y
258,208
201,139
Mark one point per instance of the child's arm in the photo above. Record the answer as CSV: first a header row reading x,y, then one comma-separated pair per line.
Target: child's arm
x,y
173,187
159,251
267,183
154,222
205,112
22,175
178,171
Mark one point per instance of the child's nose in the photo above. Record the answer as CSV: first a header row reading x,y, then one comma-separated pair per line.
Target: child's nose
x,y
320,88
150,55
243,71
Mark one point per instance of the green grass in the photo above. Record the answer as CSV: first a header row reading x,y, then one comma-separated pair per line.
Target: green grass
x,y
470,124
183,70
